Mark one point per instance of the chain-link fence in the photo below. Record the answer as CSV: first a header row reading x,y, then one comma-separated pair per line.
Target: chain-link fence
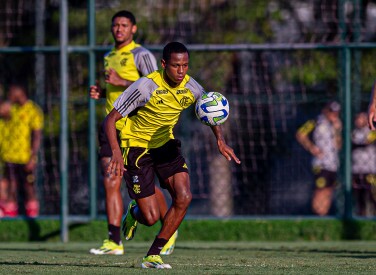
x,y
278,63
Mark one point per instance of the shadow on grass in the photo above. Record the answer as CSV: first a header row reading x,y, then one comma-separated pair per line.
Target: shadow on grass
x,y
350,230
349,252
65,264
35,234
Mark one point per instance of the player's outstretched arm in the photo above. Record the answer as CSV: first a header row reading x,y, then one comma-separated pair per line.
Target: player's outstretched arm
x,y
223,148
372,109
116,164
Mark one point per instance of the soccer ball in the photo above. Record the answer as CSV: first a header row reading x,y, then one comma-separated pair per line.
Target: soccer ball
x,y
212,109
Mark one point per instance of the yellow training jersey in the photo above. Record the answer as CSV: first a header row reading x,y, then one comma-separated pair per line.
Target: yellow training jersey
x,y
3,133
153,108
17,140
130,62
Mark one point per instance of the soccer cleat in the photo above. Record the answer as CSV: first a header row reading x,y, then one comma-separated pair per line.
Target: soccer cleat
x,y
170,245
108,248
154,261
129,224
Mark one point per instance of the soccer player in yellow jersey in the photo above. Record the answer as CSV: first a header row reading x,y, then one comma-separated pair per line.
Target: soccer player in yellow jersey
x,y
5,108
124,64
152,106
19,150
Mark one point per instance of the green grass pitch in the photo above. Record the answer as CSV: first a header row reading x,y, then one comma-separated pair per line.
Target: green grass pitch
x,y
350,257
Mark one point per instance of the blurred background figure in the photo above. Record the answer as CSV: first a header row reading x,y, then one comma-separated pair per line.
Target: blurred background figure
x,y
5,107
20,144
364,166
322,139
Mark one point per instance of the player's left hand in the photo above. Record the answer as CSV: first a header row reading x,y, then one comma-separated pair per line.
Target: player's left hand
x,y
116,164
227,151
113,78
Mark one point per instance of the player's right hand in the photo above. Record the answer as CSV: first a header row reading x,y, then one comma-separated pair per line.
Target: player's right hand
x,y
95,91
316,152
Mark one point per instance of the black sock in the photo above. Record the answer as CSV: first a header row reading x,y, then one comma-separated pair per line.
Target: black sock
x,y
157,246
114,233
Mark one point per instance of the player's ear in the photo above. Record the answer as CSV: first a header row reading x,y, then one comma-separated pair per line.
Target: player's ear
x,y
163,63
134,29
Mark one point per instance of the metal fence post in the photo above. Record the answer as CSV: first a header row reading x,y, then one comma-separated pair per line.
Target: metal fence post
x,y
347,133
92,120
64,120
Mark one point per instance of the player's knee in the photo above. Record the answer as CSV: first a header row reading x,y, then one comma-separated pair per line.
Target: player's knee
x,y
151,218
111,183
183,199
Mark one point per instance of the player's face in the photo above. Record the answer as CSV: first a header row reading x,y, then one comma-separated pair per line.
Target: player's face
x,y
123,30
361,120
14,94
176,68
333,116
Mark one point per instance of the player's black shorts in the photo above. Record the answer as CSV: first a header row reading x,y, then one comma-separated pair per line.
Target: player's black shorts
x,y
18,173
363,181
325,178
143,164
104,146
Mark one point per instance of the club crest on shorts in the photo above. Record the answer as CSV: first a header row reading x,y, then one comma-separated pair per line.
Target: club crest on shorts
x,y
136,188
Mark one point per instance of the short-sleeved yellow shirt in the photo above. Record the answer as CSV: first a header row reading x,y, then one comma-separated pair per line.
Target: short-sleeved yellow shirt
x,y
16,141
152,108
130,62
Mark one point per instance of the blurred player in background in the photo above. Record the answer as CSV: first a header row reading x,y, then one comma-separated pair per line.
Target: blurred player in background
x,y
152,106
5,108
364,166
19,150
324,147
372,109
124,64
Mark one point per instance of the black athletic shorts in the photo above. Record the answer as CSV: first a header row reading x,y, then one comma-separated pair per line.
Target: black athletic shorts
x,y
363,181
143,164
325,178
104,146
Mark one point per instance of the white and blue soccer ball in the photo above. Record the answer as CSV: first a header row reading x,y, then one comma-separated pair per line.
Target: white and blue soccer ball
x,y
212,109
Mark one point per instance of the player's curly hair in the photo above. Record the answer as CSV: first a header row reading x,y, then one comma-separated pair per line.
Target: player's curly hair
x,y
126,14
173,47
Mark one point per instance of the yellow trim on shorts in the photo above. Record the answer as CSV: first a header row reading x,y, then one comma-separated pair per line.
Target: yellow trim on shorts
x,y
140,156
125,154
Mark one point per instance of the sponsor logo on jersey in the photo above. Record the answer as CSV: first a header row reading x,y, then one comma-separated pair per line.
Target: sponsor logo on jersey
x,y
179,92
123,62
161,92
185,101
125,53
